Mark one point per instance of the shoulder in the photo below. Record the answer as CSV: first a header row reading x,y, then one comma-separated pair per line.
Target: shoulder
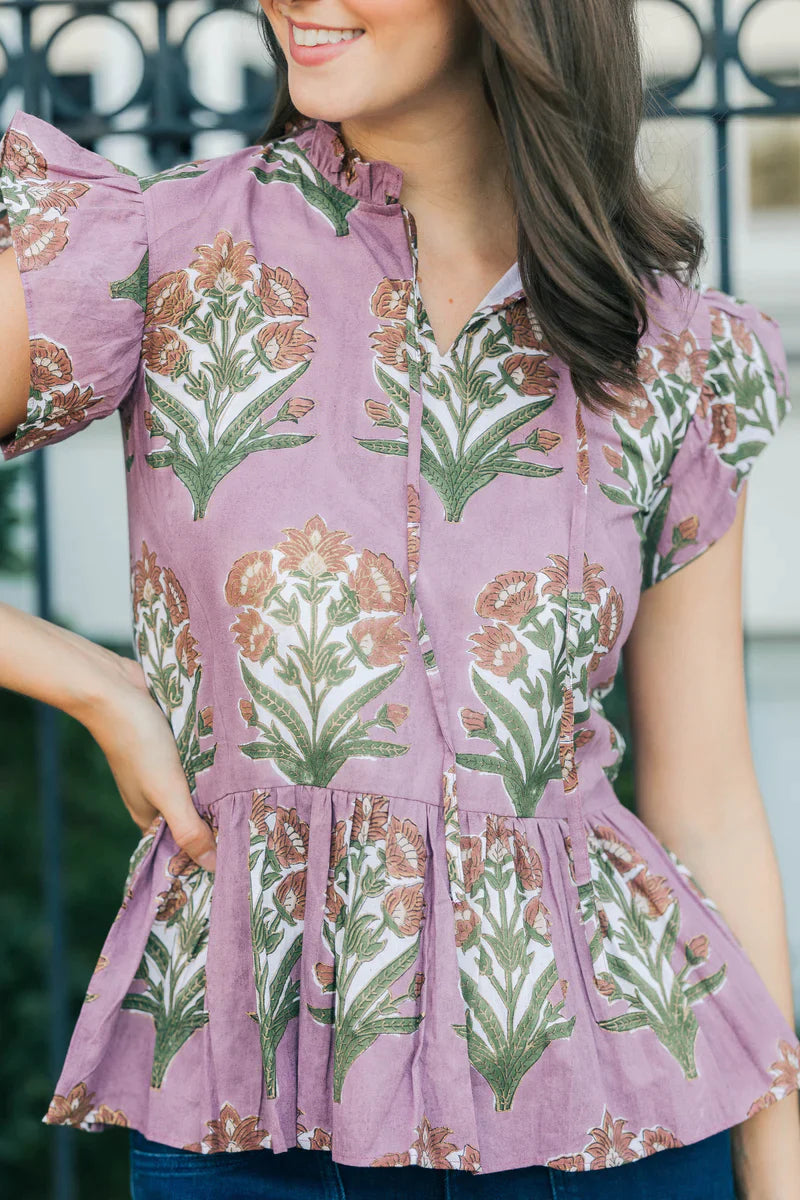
x,y
703,346
225,188
34,153
711,391
695,332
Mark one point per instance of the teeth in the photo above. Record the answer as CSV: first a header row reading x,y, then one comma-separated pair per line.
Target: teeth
x,y
324,37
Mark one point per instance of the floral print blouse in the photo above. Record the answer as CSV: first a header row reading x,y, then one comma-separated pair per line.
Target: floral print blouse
x,y
380,593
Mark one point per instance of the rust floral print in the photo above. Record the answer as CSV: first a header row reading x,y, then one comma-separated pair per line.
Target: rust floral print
x,y
729,397
433,1147
519,672
278,853
430,914
170,981
170,657
37,208
57,400
375,909
228,333
786,1076
613,1144
79,1107
638,936
345,609
315,1138
509,976
229,1133
499,384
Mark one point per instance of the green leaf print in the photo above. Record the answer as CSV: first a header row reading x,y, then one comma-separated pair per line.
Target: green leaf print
x,y
463,449
278,855
212,332
520,692
308,685
640,915
178,172
746,380
135,286
506,961
297,170
169,655
372,928
172,966
138,856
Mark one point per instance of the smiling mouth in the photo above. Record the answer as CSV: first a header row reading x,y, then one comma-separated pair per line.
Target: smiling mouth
x,y
320,36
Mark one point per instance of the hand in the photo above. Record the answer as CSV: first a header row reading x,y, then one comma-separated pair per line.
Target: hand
x,y
138,742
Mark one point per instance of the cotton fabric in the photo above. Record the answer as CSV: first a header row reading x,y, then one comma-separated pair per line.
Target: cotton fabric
x,y
380,593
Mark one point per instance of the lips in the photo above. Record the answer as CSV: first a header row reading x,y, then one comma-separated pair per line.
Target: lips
x,y
323,51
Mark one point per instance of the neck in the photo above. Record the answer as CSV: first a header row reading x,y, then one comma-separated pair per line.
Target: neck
x,y
454,163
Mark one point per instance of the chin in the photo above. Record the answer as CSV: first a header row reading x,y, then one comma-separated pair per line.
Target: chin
x,y
326,103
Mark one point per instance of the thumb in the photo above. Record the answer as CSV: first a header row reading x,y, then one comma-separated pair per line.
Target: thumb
x,y
193,834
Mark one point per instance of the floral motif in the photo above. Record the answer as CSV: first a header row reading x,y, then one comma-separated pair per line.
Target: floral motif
x,y
170,657
138,856
172,970
312,1139
37,207
345,609
278,852
374,914
612,1145
479,397
638,919
506,960
729,390
218,326
520,674
78,1108
432,1148
56,399
786,1076
230,1133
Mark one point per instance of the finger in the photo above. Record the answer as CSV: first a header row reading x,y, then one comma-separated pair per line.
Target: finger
x,y
192,833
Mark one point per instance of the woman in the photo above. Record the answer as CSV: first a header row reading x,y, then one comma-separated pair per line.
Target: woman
x,y
396,496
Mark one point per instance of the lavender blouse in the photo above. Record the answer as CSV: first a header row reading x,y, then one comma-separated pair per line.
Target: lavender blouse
x,y
380,593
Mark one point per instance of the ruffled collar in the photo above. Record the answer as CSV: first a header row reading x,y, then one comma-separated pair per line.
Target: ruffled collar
x,y
373,180
379,182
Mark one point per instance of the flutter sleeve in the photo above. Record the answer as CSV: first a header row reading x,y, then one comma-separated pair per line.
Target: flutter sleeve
x,y
77,225
738,410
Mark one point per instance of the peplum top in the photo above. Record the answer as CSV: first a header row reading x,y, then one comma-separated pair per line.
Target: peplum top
x,y
379,591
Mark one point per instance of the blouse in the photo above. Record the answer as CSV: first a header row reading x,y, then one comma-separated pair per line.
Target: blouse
x,y
380,593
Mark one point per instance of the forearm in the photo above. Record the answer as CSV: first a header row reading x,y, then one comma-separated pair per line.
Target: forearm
x,y
109,694
723,847
46,662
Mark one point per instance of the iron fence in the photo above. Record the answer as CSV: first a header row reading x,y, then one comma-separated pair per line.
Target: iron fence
x,y
165,108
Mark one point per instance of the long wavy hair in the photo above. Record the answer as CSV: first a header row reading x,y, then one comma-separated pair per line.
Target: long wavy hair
x,y
563,79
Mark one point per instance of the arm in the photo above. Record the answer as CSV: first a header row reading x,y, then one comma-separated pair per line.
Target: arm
x,y
697,791
13,345
104,691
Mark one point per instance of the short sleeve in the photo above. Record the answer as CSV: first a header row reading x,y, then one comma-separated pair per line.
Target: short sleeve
x,y
77,225
737,411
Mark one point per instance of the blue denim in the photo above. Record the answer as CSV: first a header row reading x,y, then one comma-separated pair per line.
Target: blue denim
x,y
700,1171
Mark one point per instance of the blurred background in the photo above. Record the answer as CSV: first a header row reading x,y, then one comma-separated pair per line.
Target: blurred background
x,y
149,83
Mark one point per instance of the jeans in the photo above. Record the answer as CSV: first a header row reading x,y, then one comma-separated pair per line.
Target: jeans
x,y
700,1171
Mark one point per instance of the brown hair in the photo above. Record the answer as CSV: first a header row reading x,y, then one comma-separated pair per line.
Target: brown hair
x,y
564,81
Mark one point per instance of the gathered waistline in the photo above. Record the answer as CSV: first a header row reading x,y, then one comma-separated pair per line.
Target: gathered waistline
x,y
599,797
